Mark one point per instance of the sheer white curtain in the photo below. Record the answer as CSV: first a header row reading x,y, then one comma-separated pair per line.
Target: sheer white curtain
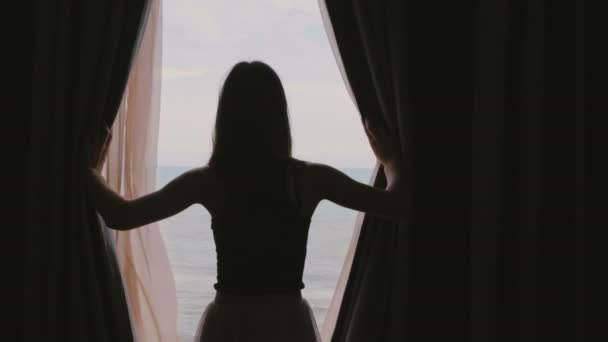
x,y
131,170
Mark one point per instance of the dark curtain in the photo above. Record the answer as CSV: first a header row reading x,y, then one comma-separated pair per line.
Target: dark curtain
x,y
82,53
488,99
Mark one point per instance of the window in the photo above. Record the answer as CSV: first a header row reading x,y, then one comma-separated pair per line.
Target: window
x,y
201,41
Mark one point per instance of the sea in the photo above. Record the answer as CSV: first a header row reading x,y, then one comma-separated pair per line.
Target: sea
x,y
191,250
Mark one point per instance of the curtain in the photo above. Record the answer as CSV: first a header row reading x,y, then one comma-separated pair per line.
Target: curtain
x,y
487,99
369,301
131,170
82,54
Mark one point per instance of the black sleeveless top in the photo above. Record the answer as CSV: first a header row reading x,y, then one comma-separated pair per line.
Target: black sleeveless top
x,y
260,235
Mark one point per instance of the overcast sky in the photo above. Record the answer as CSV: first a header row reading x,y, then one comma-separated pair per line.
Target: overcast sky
x,y
203,39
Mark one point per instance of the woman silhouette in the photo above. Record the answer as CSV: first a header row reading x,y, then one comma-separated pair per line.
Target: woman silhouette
x,y
261,200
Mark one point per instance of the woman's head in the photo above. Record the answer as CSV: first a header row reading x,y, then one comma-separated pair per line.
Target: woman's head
x,y
252,120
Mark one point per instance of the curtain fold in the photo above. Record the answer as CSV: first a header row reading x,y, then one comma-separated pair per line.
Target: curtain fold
x,y
131,171
488,101
369,301
81,58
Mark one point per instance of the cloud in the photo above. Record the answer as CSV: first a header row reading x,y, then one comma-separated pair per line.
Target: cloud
x,y
172,72
203,39
295,5
202,22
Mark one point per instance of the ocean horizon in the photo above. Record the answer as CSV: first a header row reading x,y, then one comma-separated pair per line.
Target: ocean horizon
x,y
191,250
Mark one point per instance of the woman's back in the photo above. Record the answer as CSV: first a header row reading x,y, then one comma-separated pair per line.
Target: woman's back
x,y
259,230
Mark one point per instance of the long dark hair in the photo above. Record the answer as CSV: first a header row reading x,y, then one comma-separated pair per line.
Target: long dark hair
x,y
252,121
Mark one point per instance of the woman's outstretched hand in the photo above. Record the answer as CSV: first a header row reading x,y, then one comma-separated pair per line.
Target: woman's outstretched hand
x,y
384,145
386,149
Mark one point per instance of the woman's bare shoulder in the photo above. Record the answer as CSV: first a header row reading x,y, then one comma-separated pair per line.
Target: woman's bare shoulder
x,y
306,164
208,183
316,175
314,170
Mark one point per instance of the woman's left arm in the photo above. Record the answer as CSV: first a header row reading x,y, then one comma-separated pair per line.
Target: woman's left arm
x,y
123,214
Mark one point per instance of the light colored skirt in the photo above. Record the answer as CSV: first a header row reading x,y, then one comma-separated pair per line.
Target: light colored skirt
x,y
268,318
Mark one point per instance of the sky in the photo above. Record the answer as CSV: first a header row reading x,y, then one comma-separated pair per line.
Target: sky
x,y
202,39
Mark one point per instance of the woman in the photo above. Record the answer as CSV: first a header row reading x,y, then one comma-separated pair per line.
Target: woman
x,y
261,201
